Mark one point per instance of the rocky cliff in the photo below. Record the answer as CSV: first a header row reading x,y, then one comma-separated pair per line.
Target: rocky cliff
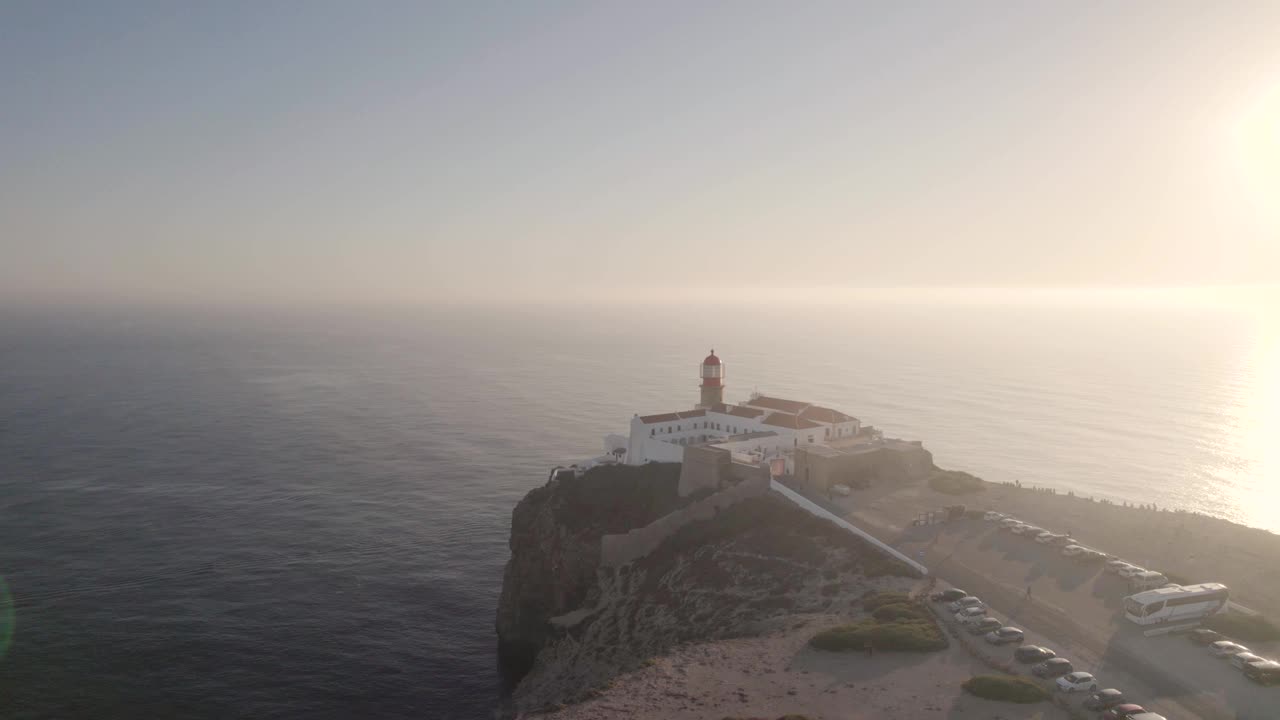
x,y
555,547
576,625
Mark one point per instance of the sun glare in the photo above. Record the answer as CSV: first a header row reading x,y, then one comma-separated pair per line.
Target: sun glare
x,y
1258,151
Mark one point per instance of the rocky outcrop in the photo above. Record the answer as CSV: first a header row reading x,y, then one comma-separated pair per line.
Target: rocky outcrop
x,y
753,562
555,547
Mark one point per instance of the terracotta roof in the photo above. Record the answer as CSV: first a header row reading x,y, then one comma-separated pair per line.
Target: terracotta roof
x,y
786,406
825,415
668,417
745,412
794,422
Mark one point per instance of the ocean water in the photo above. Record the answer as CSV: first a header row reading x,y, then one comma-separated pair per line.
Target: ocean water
x,y
278,514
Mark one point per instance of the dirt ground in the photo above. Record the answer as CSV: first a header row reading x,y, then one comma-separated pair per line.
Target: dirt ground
x,y
778,673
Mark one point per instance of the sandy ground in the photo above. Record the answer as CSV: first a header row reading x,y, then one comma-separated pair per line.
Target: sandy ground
x,y
778,673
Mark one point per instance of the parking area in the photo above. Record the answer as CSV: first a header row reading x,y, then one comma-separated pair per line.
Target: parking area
x,y
1076,610
1082,659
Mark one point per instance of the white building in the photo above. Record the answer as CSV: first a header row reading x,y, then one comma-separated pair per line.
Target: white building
x,y
761,429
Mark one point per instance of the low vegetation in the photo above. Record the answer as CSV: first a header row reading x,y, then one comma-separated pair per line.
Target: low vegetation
x,y
873,600
1005,688
955,482
901,636
1250,628
896,624
887,607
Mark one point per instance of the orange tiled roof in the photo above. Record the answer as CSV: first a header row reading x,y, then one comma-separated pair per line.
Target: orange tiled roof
x,y
826,415
793,422
787,406
668,417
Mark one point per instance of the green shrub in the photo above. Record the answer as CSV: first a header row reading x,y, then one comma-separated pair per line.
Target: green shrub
x,y
875,600
954,482
1253,628
904,636
1005,688
894,612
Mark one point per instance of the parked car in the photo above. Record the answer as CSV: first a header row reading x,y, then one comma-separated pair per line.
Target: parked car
x,y
1147,580
1009,523
1103,699
984,626
1123,711
1226,648
1266,672
1062,541
1090,556
1052,668
949,595
1077,681
1147,716
1241,659
1031,532
1204,637
1113,566
1073,550
993,516
1048,538
967,601
1004,636
969,616
1033,654
1131,571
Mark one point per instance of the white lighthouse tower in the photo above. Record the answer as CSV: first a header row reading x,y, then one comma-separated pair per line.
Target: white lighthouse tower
x,y
712,374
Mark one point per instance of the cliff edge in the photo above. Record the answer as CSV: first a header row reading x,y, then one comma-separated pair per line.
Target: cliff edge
x,y
569,624
555,547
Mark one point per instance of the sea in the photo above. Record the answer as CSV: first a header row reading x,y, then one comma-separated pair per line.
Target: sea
x,y
304,513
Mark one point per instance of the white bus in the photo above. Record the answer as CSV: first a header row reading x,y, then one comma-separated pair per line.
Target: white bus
x,y
1176,604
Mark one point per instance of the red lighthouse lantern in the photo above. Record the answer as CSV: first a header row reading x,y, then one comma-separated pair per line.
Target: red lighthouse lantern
x,y
712,374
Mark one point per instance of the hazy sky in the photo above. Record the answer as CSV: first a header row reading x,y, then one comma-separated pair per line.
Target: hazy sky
x,y
393,151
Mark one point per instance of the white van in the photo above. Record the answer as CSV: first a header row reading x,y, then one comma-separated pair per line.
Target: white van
x,y
1148,580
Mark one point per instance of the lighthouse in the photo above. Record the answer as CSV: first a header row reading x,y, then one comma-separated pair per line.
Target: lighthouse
x,y
712,374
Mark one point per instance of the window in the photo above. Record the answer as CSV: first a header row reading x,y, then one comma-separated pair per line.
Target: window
x,y
810,439
651,433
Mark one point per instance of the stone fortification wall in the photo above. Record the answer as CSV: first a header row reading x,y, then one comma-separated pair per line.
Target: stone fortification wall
x,y
620,549
704,468
890,461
